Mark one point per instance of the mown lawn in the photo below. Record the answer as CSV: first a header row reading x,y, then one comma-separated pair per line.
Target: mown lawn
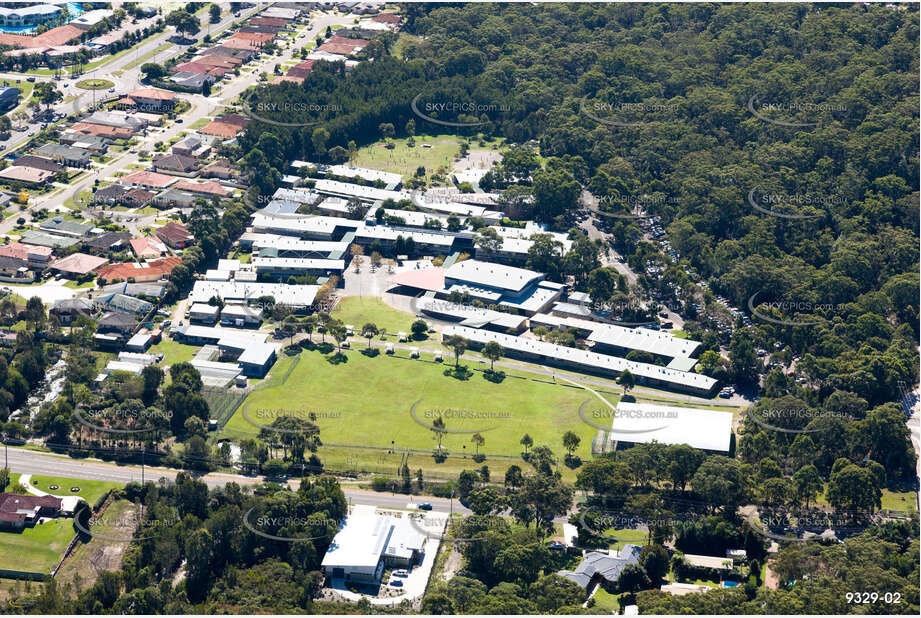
x,y
36,549
367,401
358,310
404,160
90,491
174,352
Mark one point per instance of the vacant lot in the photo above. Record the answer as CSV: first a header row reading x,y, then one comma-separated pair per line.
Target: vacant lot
x,y
89,559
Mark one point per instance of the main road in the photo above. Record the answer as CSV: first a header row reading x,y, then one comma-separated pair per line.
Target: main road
x,y
25,461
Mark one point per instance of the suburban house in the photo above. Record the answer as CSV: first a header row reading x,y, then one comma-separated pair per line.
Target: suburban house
x,y
106,242
18,511
603,568
40,163
134,272
227,126
210,188
147,247
175,235
191,146
149,99
78,265
111,195
175,163
68,309
148,180
35,255
64,227
26,175
15,270
71,156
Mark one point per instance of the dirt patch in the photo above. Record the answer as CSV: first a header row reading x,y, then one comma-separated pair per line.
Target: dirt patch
x,y
478,160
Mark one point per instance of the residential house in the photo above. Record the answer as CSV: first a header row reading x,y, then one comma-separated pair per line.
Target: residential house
x,y
192,146
188,79
17,511
68,309
222,168
148,180
119,323
26,175
175,235
107,242
34,255
111,195
15,270
134,272
604,568
92,143
149,99
148,247
175,163
137,198
227,126
34,237
78,265
70,156
65,227
209,188
174,198
102,130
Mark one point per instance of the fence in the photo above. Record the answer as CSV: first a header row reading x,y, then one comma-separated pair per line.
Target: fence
x,y
223,402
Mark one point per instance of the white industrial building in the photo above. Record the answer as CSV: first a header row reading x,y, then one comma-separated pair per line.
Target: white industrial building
x,y
620,340
583,360
297,296
642,423
367,543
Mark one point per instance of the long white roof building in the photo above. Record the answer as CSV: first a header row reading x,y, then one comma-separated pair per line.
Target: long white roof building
x,y
585,360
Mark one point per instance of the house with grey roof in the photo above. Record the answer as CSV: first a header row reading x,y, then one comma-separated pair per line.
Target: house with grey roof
x,y
65,227
604,568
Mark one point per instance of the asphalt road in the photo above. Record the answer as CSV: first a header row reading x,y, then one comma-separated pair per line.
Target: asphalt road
x,y
24,461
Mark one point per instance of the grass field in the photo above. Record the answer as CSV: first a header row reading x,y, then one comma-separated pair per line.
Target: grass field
x,y
366,402
358,310
36,549
174,352
90,491
625,537
404,160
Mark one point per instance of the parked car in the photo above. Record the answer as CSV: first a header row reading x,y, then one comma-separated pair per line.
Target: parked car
x,y
425,506
725,395
401,573
395,583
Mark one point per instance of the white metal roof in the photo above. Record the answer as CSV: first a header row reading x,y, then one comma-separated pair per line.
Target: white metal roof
x,y
588,359
704,429
294,295
269,263
490,275
258,354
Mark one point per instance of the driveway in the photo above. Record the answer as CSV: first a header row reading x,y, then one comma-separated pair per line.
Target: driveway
x,y
49,291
